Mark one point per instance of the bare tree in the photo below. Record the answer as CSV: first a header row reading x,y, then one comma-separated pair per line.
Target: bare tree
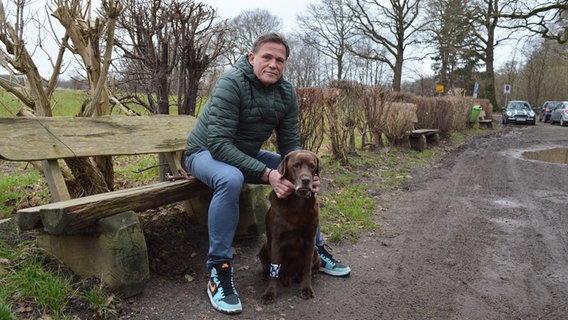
x,y
17,60
329,26
246,27
304,68
149,43
203,39
392,27
86,36
547,19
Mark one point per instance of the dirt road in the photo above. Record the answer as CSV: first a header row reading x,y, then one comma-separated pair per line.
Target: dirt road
x,y
482,234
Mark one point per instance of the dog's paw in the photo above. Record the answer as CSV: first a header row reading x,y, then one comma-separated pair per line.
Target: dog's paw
x,y
307,293
268,298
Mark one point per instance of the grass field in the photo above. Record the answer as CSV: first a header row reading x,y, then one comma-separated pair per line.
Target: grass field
x,y
65,103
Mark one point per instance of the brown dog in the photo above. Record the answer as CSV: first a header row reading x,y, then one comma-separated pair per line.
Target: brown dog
x,y
289,253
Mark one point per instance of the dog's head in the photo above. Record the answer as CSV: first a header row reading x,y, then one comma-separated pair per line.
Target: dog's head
x,y
300,167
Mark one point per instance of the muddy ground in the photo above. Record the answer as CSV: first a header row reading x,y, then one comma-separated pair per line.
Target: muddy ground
x,y
481,234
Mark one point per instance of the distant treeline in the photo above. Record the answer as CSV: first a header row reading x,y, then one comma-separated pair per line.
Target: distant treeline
x,y
20,81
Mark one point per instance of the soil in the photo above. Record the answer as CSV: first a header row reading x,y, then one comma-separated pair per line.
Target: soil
x,y
480,234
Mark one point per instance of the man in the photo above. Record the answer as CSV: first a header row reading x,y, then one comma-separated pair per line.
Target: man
x,y
224,152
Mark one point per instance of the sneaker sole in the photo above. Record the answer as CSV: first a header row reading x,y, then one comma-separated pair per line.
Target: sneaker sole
x,y
219,308
334,273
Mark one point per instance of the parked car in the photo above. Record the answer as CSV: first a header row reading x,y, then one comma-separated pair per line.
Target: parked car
x,y
560,114
546,110
518,111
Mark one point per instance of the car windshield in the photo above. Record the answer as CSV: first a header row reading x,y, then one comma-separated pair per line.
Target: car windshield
x,y
519,106
552,105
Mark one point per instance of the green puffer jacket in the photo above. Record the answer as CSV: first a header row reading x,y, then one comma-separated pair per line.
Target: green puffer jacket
x,y
240,116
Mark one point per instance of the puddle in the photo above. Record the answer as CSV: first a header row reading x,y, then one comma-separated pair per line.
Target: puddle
x,y
555,155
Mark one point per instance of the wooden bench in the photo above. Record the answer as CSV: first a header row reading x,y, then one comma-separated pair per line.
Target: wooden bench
x,y
100,235
483,123
420,138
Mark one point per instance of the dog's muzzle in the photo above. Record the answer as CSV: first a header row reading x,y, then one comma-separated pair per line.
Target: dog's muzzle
x,y
303,192
304,188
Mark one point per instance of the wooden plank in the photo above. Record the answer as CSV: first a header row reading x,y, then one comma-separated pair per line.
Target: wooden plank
x,y
55,181
76,214
419,132
47,138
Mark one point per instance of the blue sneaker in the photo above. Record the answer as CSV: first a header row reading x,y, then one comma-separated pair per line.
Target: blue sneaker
x,y
330,265
221,290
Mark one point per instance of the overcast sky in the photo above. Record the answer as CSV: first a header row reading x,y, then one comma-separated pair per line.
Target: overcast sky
x,y
287,10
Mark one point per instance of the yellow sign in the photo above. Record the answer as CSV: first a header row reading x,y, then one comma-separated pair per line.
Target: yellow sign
x,y
439,88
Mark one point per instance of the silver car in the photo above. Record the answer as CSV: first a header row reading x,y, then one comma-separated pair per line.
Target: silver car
x,y
560,114
519,112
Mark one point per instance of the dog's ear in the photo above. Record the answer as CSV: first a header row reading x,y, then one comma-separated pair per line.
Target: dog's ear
x,y
283,165
317,172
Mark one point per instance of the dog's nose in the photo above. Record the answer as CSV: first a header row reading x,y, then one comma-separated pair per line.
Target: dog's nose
x,y
306,181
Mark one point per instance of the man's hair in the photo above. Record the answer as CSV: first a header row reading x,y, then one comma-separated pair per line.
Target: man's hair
x,y
271,37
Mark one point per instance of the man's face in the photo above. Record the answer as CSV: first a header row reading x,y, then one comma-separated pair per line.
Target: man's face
x,y
268,63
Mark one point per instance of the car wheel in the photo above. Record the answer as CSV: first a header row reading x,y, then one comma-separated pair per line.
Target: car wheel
x,y
562,122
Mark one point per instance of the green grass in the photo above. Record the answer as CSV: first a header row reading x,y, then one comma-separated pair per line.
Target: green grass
x,y
30,280
24,187
65,102
351,206
26,280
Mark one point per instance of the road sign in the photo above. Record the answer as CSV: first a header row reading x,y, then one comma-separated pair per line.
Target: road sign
x,y
439,88
476,90
507,89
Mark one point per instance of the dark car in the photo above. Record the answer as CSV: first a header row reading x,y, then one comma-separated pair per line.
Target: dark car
x,y
546,110
518,111
560,114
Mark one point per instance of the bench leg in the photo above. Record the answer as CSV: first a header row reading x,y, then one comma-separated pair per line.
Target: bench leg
x,y
115,253
418,143
433,139
485,125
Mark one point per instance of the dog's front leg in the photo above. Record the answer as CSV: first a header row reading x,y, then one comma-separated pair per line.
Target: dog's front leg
x,y
269,295
306,289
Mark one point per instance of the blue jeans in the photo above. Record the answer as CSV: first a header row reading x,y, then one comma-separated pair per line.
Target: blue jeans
x,y
227,182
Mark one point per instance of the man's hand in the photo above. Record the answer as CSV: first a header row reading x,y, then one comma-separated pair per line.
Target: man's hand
x,y
284,188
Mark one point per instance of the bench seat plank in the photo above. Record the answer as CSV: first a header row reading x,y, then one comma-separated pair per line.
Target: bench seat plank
x,y
73,215
426,132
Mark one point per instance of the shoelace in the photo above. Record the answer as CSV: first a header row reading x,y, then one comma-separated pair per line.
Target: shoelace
x,y
326,250
226,281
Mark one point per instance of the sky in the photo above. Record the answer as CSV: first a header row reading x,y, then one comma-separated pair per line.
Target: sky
x,y
287,10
